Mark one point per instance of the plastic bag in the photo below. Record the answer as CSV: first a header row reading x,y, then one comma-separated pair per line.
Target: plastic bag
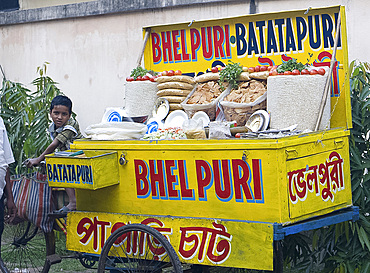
x,y
116,131
219,129
194,129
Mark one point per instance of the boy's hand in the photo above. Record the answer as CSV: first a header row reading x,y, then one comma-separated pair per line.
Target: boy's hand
x,y
12,209
29,163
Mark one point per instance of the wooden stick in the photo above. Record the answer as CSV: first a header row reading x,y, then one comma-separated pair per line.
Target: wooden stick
x,y
146,38
328,79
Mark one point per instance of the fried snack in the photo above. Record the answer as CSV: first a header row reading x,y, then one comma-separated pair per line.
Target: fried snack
x,y
174,85
259,75
247,92
174,99
176,78
244,76
205,93
207,77
173,92
175,106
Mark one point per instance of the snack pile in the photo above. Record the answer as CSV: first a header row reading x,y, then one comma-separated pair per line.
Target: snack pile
x,y
247,92
174,89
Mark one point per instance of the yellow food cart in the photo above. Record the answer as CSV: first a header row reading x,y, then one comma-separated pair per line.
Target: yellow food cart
x,y
218,202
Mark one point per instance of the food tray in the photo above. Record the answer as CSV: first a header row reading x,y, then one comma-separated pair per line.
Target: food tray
x,y
209,108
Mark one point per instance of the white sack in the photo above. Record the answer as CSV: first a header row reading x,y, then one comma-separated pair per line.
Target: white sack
x,y
116,131
296,99
140,97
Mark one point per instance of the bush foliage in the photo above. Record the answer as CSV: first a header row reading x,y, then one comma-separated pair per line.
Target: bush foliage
x,y
26,116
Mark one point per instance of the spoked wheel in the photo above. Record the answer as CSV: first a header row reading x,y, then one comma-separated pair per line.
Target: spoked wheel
x,y
138,248
24,247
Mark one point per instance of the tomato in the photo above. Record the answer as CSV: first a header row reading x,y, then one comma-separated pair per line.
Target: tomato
x,y
170,73
165,73
139,78
257,68
152,79
321,71
281,73
269,68
130,79
251,69
145,78
178,72
237,135
305,72
287,72
313,72
263,68
273,73
214,69
295,72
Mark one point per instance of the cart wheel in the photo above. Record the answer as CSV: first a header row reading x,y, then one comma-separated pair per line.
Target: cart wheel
x,y
24,247
138,248
87,262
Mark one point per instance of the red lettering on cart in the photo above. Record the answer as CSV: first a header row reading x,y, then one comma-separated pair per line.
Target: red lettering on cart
x,y
213,243
327,176
171,46
163,179
96,231
70,173
226,180
88,229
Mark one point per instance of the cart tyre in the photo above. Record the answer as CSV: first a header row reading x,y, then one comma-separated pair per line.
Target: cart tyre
x,y
120,257
24,246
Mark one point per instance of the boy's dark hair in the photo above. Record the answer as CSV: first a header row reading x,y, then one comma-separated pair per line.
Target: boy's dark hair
x,y
61,100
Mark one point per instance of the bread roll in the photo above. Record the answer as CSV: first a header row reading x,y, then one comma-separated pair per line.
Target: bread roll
x,y
175,106
174,85
174,99
262,75
173,92
176,78
207,77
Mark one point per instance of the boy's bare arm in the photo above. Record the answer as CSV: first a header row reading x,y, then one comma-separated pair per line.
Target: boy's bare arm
x,y
50,149
12,209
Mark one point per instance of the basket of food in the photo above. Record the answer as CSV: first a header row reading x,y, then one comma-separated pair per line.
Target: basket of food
x,y
205,96
246,94
243,101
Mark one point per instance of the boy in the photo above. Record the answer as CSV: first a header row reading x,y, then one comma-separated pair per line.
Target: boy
x,y
63,131
6,158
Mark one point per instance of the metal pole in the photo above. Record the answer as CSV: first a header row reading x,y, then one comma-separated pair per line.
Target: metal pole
x,y
328,79
148,30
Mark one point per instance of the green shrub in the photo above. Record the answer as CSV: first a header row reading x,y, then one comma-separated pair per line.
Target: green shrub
x,y
26,116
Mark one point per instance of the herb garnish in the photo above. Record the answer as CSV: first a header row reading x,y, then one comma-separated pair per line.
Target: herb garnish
x,y
290,66
231,74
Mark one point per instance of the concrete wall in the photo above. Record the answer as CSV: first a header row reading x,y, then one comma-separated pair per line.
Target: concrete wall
x,y
93,46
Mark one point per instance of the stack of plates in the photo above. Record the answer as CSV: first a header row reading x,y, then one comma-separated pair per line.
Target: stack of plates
x,y
201,115
258,121
175,119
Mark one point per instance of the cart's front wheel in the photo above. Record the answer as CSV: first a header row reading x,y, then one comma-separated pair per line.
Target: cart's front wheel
x,y
138,248
24,248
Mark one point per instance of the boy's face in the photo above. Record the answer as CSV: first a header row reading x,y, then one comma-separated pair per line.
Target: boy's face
x,y
60,115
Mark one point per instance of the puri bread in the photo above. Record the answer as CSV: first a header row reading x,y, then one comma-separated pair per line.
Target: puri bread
x,y
207,77
173,92
175,85
176,78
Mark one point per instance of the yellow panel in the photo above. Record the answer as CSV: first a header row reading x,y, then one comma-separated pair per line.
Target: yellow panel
x,y
235,179
259,39
319,182
239,244
92,170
